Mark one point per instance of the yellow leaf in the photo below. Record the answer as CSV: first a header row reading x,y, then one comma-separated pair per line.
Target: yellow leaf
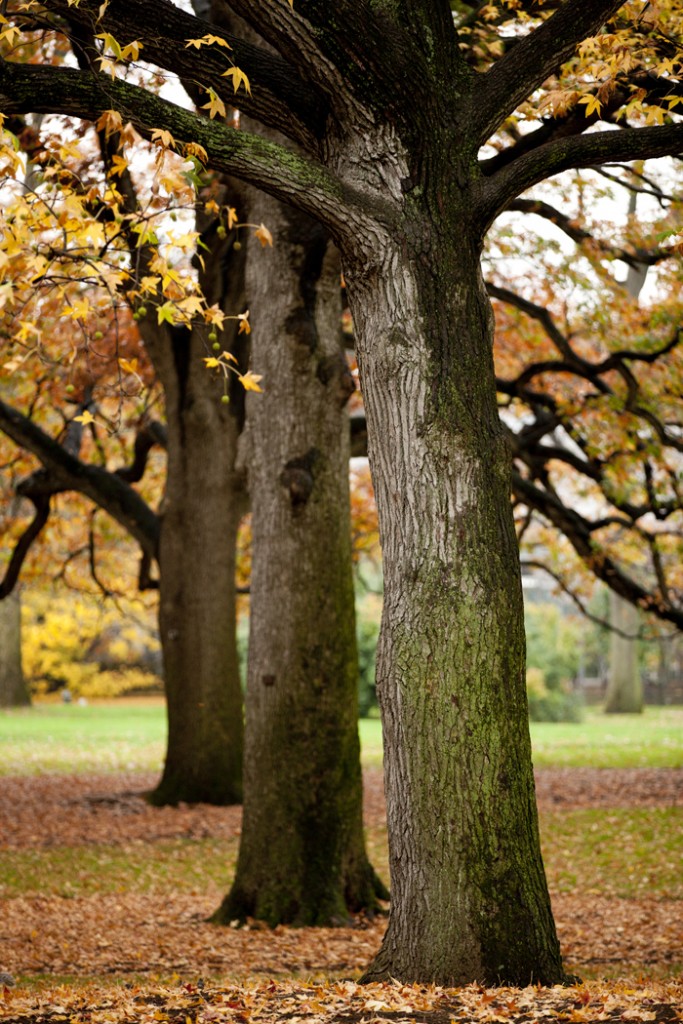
x,y
250,381
118,165
212,362
85,418
208,40
215,105
592,103
129,366
132,51
110,121
264,236
162,138
245,326
166,312
238,78
110,43
232,217
197,151
214,315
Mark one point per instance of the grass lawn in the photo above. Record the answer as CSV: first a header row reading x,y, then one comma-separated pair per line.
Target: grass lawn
x,y
129,735
651,740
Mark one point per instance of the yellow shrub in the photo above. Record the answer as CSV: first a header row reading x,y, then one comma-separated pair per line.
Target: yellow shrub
x,y
58,632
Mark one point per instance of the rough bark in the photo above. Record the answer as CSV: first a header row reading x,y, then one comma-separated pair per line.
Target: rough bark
x,y
302,854
469,894
13,692
203,503
200,517
625,685
395,176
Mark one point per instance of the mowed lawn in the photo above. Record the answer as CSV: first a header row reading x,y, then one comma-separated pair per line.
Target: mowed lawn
x,y
129,735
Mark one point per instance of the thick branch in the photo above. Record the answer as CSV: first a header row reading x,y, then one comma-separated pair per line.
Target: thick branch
x,y
591,150
302,182
23,545
533,59
67,473
279,97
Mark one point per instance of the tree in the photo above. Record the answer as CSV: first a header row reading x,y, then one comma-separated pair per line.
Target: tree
x,y
302,854
202,497
13,692
392,113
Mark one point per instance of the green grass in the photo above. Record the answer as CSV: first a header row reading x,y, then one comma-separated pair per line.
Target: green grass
x,y
624,852
651,740
179,865
129,735
125,735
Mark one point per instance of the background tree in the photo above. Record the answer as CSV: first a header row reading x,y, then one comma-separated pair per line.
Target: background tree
x,y
13,692
196,609
409,206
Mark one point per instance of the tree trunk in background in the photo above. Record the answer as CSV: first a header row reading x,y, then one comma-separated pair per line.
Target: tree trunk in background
x,y
625,685
13,692
302,856
203,503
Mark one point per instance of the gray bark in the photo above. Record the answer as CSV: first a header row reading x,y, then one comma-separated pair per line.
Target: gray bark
x,y
13,692
302,855
625,685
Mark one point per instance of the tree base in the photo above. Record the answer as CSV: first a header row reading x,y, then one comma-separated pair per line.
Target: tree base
x,y
274,905
176,788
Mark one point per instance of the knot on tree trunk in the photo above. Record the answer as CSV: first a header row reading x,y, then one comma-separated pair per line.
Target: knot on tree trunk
x,y
297,477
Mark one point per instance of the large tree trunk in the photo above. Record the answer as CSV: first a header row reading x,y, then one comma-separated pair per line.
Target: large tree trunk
x,y
469,894
302,856
203,503
625,685
13,692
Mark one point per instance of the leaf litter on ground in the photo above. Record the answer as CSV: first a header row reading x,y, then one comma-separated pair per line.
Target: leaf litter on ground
x,y
138,954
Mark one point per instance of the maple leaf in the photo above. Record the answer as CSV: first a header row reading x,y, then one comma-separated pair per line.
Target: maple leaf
x,y
162,138
238,78
109,120
208,40
85,418
250,381
215,106
166,313
264,236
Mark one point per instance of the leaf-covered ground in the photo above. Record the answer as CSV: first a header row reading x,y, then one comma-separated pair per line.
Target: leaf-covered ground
x,y
105,899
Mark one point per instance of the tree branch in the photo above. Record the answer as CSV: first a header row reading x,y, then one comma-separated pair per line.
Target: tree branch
x,y
279,97
64,472
535,57
636,257
578,532
294,179
23,545
591,150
